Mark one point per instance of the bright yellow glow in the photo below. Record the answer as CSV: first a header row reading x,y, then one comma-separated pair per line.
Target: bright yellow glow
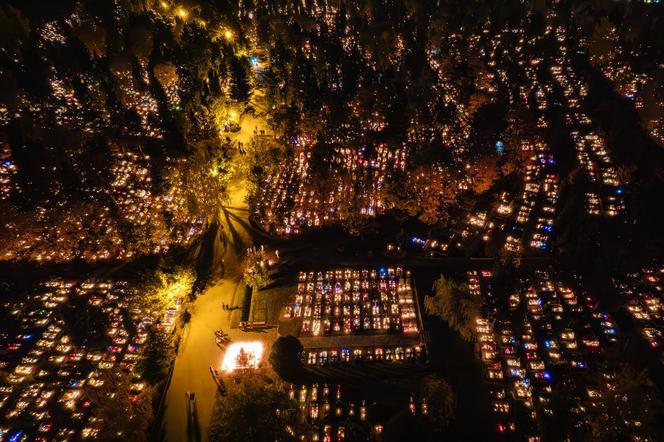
x,y
182,13
242,355
233,115
164,5
228,34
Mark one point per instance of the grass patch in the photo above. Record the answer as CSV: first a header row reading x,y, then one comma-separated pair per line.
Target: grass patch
x,y
267,304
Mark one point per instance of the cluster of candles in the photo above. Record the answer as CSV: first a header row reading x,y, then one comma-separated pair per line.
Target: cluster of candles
x,y
48,373
290,200
562,333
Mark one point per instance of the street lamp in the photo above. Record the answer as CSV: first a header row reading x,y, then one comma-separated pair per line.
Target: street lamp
x,y
182,13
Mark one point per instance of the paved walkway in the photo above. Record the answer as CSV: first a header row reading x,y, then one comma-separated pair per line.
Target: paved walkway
x,y
198,350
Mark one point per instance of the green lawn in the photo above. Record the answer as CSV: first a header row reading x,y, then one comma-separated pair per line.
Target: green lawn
x,y
266,304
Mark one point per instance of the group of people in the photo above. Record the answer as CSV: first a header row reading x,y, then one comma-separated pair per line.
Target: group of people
x,y
222,339
240,144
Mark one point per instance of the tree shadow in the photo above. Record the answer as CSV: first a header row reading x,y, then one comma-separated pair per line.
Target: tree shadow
x,y
238,244
239,209
247,226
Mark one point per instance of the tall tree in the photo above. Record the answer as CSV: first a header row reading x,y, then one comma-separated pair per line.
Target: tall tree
x,y
440,401
253,410
156,358
285,356
122,415
629,409
454,304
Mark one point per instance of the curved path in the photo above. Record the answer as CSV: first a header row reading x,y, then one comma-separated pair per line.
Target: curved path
x,y
198,351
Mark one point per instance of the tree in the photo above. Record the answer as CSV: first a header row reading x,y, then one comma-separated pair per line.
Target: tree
x,y
455,305
14,30
626,173
285,356
87,322
440,400
505,276
404,426
254,409
400,194
628,408
351,217
432,203
185,316
322,156
203,182
156,357
601,42
255,269
240,87
163,288
485,173
122,415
